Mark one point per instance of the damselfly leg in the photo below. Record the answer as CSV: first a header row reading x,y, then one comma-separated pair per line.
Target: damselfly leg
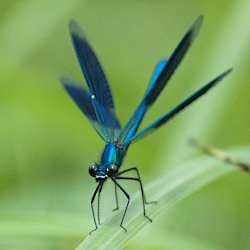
x,y
116,199
126,208
98,204
140,181
92,206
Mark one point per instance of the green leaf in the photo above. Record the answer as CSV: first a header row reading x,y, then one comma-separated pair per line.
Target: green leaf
x,y
181,182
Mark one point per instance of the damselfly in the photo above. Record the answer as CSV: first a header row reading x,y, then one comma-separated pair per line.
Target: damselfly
x,y
96,102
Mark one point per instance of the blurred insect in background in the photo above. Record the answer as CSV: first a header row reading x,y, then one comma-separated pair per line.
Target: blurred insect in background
x,y
97,104
215,152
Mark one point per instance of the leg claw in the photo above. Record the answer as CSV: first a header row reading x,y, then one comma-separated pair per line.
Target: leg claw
x,y
123,228
151,202
115,209
93,231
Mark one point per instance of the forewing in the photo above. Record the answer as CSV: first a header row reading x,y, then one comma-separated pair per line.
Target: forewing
x,y
95,77
163,73
137,116
173,62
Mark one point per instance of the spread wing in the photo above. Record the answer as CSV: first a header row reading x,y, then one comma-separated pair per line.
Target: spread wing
x,y
99,105
161,76
168,116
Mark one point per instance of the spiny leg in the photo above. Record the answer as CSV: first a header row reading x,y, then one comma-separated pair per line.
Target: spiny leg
x,y
92,208
143,202
116,199
139,177
213,151
126,208
98,203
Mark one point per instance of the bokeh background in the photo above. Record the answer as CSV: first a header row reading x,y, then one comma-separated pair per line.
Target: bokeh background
x,y
46,144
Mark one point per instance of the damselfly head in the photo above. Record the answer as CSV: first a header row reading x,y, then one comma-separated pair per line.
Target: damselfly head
x,y
101,173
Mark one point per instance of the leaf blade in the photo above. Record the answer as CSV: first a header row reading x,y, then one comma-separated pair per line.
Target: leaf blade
x,y
170,189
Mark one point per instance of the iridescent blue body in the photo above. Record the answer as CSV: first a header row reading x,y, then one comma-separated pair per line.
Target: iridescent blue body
x,y
96,102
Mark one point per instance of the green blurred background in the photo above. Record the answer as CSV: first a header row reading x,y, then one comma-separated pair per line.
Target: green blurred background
x,y
46,144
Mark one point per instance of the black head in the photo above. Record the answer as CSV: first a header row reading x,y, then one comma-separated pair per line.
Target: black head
x,y
101,173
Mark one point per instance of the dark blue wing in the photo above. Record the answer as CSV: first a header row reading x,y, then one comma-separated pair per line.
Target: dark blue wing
x,y
164,73
95,78
84,101
137,116
168,116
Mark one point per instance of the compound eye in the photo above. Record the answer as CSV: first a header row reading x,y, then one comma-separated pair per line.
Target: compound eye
x,y
112,170
93,169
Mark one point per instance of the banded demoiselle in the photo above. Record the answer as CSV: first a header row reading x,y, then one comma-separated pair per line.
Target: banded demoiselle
x,y
96,102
